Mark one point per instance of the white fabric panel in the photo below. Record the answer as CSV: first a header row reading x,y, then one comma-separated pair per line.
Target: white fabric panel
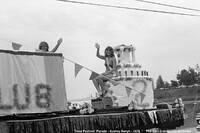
x,y
28,69
137,86
37,76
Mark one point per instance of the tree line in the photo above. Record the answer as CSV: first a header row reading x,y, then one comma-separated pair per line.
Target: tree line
x,y
185,77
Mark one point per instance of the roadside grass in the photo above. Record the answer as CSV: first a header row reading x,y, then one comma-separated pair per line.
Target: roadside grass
x,y
170,95
187,94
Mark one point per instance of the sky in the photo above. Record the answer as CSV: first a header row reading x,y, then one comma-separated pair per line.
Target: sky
x,y
165,43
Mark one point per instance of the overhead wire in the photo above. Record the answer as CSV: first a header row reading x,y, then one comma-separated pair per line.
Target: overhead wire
x,y
162,4
128,8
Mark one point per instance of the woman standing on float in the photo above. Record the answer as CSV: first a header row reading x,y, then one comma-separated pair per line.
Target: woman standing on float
x,y
110,64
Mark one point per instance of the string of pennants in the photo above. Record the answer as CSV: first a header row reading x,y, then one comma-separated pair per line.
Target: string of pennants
x,y
94,75
78,67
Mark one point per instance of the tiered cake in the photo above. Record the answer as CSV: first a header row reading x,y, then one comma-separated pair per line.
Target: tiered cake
x,y
126,60
135,83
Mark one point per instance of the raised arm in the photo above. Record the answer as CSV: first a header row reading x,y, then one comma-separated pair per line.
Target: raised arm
x,y
97,54
57,45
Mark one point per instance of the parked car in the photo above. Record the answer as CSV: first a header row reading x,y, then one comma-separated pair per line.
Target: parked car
x,y
198,121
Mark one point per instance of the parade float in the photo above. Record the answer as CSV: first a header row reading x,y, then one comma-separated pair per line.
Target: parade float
x,y
33,98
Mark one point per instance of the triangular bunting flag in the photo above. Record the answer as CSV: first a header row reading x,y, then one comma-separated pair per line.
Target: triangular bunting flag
x,y
142,96
128,91
77,69
115,83
16,46
93,75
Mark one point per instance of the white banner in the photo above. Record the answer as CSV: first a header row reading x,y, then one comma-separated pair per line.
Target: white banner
x,y
31,82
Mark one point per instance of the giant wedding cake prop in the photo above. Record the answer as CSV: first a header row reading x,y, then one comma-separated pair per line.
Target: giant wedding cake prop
x,y
135,83
129,85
